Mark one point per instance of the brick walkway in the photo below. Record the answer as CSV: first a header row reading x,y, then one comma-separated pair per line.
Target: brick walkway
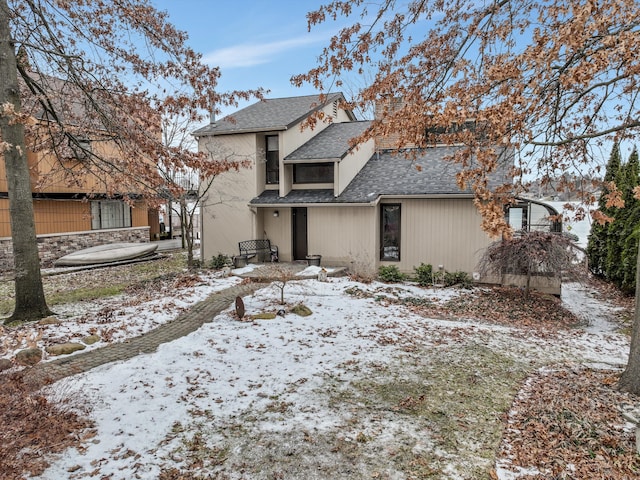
x,y
203,312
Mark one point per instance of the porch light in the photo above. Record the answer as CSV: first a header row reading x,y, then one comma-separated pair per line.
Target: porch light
x,y
276,213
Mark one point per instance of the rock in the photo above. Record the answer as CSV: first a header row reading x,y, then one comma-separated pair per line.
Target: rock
x,y
5,364
91,339
263,316
301,310
28,356
51,320
64,348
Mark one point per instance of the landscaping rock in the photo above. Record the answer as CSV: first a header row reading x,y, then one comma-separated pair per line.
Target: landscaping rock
x,y
51,320
263,316
301,310
64,348
28,357
91,339
5,364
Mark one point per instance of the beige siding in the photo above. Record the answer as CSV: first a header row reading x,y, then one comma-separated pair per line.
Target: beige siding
x,y
278,230
226,218
349,167
342,235
440,232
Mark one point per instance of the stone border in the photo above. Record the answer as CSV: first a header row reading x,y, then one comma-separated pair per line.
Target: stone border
x,y
203,312
53,246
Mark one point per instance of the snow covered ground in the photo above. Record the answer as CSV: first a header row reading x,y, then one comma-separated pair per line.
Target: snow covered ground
x,y
279,378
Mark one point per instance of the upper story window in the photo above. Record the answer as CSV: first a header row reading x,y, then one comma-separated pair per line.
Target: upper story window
x,y
313,173
273,159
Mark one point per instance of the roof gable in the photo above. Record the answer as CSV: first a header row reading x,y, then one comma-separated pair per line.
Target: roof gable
x,y
268,115
332,143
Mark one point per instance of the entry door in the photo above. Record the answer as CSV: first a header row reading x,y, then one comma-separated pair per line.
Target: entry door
x,y
299,228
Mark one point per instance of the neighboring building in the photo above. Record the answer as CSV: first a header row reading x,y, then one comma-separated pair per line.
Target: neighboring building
x,y
71,215
309,192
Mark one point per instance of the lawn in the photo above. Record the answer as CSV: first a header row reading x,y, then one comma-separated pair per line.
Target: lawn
x,y
383,381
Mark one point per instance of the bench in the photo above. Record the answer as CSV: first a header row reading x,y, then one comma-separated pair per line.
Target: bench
x,y
262,249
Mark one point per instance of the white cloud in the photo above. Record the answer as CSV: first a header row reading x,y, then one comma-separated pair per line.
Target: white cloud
x,y
250,54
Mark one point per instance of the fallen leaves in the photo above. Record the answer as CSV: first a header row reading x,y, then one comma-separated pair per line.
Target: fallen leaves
x,y
506,306
32,426
567,425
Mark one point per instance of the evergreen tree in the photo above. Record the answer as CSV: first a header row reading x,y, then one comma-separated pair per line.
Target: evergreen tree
x,y
629,218
596,247
616,237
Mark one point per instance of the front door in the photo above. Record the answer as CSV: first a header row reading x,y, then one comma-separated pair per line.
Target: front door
x,y
299,229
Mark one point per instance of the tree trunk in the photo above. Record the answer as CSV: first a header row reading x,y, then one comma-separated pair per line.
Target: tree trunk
x,y
630,380
30,303
187,230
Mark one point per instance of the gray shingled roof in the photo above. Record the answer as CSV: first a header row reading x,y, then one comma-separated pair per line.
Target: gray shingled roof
x,y
267,115
330,144
391,175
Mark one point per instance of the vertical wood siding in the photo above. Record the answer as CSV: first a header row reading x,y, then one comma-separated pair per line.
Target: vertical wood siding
x,y
53,216
343,235
59,216
441,232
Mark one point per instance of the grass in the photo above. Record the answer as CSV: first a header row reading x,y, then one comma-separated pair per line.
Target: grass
x,y
456,403
430,413
113,281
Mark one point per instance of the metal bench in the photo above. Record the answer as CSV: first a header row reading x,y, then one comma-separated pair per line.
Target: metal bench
x,y
261,249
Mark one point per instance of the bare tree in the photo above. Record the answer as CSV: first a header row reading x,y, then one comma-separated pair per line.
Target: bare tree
x,y
552,80
103,71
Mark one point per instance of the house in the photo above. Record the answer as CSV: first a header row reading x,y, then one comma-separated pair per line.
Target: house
x,y
309,191
72,213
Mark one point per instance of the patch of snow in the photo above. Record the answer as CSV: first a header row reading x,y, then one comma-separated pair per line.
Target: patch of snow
x,y
249,268
229,371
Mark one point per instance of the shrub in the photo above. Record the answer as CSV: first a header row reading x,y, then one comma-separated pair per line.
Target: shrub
x,y
457,278
220,261
424,274
390,274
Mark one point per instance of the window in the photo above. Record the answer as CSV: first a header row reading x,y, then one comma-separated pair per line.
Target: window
x,y
313,173
390,232
80,146
110,214
517,217
273,160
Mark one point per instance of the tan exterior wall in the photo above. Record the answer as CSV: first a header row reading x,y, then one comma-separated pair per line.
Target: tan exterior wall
x,y
60,216
278,230
296,136
226,217
349,167
343,235
439,232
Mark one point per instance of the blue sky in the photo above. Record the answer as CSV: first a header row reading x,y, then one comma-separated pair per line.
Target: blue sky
x,y
255,43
